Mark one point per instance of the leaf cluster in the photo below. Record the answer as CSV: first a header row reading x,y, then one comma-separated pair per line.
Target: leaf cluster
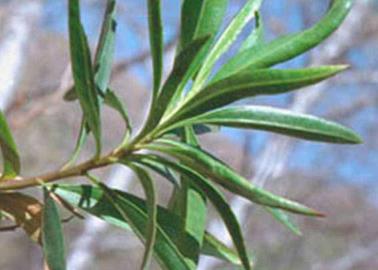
x,y
193,99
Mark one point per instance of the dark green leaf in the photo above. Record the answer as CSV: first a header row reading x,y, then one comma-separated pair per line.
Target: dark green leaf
x,y
250,83
151,203
156,42
278,121
52,235
207,165
83,72
94,201
219,202
288,47
11,159
200,18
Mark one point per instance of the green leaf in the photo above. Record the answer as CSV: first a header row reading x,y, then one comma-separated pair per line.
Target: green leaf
x,y
151,203
214,247
94,201
83,73
200,18
105,48
11,159
277,121
207,165
52,235
250,83
181,73
284,219
287,47
198,130
191,206
113,101
156,42
219,202
256,37
225,41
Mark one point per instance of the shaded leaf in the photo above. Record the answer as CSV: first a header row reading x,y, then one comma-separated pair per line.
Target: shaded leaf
x,y
11,159
219,202
290,46
83,74
200,18
151,204
156,42
113,101
25,211
207,165
94,201
278,121
52,235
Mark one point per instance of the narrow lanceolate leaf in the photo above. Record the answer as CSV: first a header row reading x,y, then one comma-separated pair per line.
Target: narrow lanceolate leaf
x,y
180,75
94,201
105,47
190,205
290,46
214,169
151,203
277,121
25,211
225,41
11,159
83,74
156,42
284,219
219,202
113,101
250,83
52,235
256,37
200,18
214,247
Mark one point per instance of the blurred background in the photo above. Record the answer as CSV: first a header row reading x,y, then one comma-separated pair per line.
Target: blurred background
x,y
340,181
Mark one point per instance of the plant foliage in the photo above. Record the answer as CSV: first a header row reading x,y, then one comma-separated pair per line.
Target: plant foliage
x,y
192,98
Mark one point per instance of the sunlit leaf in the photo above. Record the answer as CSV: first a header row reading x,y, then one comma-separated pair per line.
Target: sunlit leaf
x,y
256,37
250,83
181,73
225,41
278,121
52,235
284,219
290,46
207,165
